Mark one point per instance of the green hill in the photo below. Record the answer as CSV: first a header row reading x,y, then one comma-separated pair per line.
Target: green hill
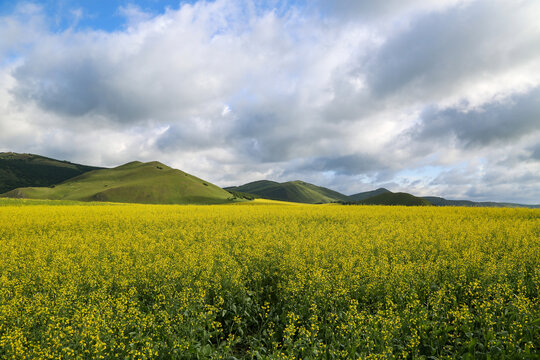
x,y
134,182
293,191
399,198
24,170
366,195
439,201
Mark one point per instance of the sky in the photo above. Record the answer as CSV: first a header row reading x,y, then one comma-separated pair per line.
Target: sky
x,y
431,97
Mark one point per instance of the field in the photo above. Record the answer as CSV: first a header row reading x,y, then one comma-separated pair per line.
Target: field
x,y
267,280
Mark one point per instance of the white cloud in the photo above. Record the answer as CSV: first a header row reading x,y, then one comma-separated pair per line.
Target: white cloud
x,y
352,96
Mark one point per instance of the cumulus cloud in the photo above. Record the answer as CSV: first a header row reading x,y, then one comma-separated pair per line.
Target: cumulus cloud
x,y
350,95
489,181
344,165
453,53
535,152
366,10
503,120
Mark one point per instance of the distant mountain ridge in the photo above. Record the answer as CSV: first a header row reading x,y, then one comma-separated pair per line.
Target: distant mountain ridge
x,y
26,170
40,177
439,201
292,191
302,192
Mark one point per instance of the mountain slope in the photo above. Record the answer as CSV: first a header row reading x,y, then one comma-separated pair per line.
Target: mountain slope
x,y
366,195
439,201
24,170
399,198
293,191
134,182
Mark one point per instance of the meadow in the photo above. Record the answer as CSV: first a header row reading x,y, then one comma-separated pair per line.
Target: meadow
x,y
267,280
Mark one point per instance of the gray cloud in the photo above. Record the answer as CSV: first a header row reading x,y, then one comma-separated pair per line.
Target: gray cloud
x,y
439,54
69,88
349,95
504,120
174,65
345,165
491,184
535,152
369,10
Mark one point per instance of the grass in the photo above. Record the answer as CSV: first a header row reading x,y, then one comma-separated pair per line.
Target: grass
x,y
368,194
135,182
30,202
293,191
399,198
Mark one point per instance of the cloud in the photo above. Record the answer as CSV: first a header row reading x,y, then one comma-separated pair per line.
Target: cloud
x,y
491,183
19,30
350,95
366,10
345,165
163,68
503,120
535,152
447,53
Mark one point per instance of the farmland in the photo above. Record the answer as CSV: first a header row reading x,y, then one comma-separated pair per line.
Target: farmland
x,y
267,280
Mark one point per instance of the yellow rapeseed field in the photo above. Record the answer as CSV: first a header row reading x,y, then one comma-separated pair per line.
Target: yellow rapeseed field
x,y
267,280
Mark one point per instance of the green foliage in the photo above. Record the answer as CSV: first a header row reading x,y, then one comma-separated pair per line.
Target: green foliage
x,y
27,202
242,195
389,198
135,182
293,191
399,198
25,170
368,194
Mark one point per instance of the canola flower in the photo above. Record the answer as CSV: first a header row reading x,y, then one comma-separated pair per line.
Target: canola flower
x,y
255,281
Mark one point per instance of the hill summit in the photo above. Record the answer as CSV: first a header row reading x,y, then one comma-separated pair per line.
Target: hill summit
x,y
293,191
368,194
134,182
399,198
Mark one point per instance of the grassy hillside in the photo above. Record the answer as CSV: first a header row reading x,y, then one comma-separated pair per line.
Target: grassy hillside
x,y
368,194
242,195
293,191
135,182
24,170
399,198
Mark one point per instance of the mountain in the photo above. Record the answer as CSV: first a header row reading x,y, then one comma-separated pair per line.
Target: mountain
x,y
293,191
366,195
40,177
439,201
134,182
241,195
390,198
24,170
